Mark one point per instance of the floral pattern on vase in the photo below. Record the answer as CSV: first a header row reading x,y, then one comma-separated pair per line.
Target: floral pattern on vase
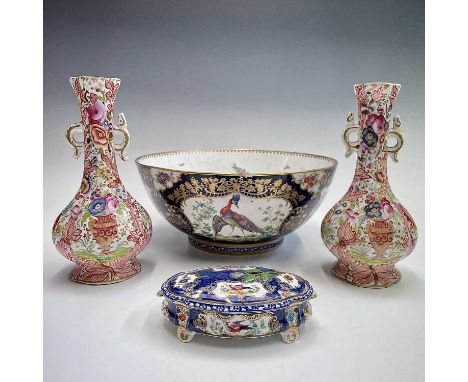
x,y
103,228
369,230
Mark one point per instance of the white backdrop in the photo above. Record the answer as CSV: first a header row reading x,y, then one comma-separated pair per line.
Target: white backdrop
x,y
277,77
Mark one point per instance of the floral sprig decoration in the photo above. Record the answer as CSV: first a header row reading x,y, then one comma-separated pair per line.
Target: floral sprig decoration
x,y
100,205
382,209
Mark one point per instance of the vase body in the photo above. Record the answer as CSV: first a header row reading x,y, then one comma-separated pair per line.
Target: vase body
x,y
369,230
103,228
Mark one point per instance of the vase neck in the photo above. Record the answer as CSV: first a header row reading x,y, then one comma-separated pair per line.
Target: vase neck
x,y
96,97
375,102
375,98
372,169
99,160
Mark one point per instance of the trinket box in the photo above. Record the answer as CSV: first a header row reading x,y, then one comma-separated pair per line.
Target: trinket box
x,y
237,302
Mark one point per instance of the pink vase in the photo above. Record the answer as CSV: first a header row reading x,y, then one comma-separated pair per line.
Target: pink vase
x,y
103,228
369,230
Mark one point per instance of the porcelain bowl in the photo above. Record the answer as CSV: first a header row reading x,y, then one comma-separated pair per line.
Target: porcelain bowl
x,y
236,201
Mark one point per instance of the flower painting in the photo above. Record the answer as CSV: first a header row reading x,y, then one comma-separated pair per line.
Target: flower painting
x,y
97,112
99,135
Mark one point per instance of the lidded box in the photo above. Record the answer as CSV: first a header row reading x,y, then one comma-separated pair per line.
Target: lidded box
x,y
236,301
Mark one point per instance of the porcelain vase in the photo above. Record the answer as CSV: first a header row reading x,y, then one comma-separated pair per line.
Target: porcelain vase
x,y
103,228
369,230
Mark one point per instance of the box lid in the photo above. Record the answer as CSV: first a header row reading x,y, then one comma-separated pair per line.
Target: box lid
x,y
236,288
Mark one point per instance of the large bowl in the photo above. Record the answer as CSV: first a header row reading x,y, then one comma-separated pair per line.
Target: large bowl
x,y
236,202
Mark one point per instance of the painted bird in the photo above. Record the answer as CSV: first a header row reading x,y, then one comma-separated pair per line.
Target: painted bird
x,y
237,326
233,219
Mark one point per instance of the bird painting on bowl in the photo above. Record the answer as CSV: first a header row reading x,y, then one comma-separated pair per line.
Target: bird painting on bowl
x,y
234,219
241,209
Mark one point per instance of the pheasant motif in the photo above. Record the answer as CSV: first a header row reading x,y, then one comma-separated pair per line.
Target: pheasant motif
x,y
234,219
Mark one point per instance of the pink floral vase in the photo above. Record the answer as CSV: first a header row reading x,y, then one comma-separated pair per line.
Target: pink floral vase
x,y
103,228
369,230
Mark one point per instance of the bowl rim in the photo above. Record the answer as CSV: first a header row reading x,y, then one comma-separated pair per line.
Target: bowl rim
x,y
333,162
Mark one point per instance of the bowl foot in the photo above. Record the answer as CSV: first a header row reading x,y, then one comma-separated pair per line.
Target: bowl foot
x,y
103,275
184,335
291,335
235,249
367,276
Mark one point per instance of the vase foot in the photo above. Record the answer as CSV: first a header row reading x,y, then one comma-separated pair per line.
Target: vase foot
x,y
103,275
367,276
235,249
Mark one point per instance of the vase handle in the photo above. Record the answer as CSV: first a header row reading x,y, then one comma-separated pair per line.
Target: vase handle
x,y
350,128
122,128
77,146
393,150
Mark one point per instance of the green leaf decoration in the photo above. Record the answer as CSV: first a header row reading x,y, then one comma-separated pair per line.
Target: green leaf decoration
x,y
248,278
85,216
265,276
327,230
254,271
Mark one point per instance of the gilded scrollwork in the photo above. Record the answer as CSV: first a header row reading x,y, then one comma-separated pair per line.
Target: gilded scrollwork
x,y
274,325
253,187
200,322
